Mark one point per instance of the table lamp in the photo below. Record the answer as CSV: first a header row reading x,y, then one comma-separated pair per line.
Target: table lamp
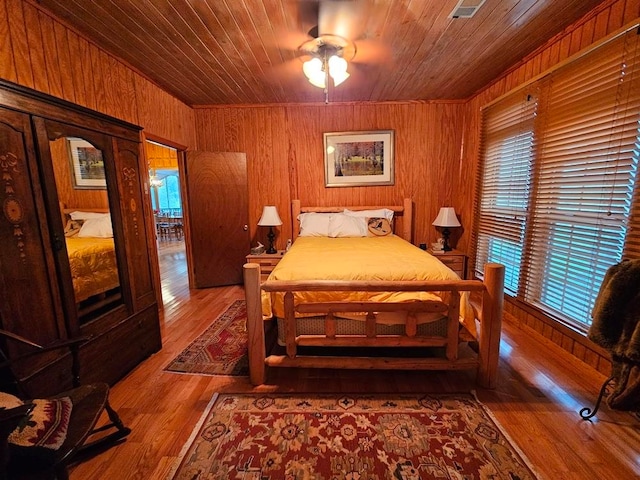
x,y
446,219
270,218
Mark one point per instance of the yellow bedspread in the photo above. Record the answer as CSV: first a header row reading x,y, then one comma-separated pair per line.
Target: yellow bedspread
x,y
93,266
366,258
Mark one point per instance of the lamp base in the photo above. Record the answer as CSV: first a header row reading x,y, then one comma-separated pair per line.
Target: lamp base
x,y
271,236
445,237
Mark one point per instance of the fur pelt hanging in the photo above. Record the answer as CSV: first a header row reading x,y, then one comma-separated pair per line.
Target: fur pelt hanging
x,y
616,328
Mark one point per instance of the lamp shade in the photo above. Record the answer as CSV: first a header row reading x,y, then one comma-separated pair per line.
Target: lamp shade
x,y
446,218
270,217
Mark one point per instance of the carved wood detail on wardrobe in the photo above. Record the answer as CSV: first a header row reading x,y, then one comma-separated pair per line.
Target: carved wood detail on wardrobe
x,y
39,298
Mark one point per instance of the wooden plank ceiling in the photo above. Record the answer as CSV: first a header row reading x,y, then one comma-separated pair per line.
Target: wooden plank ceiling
x,y
208,52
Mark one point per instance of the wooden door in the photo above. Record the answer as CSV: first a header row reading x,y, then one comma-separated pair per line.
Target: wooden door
x,y
218,209
30,303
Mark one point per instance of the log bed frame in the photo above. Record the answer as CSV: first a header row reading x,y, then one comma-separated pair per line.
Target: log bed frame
x,y
488,304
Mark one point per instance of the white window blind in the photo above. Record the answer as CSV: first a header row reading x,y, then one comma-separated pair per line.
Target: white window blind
x,y
583,152
507,150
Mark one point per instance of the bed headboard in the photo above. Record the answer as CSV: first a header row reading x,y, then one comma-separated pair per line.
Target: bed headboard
x,y
402,214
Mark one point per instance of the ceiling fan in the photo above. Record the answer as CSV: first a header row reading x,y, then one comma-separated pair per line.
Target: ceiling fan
x,y
336,40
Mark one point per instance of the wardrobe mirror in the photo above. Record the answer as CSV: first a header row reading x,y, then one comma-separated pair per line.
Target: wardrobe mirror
x,y
82,185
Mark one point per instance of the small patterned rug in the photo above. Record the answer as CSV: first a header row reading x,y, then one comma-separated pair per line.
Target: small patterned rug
x,y
349,437
221,349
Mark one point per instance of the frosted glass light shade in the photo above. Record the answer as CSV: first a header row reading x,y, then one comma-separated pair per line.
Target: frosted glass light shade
x,y
313,71
270,217
337,64
338,77
446,218
338,69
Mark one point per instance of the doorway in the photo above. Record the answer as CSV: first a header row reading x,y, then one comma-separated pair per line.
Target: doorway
x,y
165,188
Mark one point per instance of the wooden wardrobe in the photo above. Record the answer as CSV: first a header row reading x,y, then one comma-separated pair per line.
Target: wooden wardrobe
x,y
42,141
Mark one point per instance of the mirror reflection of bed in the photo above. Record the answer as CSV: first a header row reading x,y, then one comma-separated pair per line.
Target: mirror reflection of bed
x,y
92,258
89,240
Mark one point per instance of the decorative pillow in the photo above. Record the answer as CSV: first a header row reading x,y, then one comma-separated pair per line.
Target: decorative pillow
x,y
79,215
97,227
43,431
378,226
314,224
380,212
72,227
46,425
346,226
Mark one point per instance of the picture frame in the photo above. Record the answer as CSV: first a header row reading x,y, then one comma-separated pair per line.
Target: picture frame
x,y
87,165
354,159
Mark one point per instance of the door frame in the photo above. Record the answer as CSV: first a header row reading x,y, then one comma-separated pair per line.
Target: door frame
x,y
151,230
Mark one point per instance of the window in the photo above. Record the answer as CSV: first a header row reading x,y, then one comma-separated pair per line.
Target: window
x,y
560,162
167,198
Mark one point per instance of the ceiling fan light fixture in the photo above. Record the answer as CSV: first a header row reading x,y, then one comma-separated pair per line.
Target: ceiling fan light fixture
x,y
338,69
318,80
337,64
313,70
312,67
327,52
339,77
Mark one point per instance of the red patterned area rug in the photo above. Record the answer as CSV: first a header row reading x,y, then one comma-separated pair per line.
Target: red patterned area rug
x,y
221,349
349,437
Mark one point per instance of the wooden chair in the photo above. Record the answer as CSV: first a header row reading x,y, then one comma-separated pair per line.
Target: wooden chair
x,y
88,404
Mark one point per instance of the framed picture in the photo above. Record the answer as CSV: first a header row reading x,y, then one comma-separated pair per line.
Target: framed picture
x,y
87,165
358,158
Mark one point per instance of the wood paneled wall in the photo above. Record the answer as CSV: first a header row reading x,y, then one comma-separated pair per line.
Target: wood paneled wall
x,y
284,147
159,156
40,52
608,18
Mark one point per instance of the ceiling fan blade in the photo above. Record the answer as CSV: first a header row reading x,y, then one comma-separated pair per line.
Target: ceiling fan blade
x,y
372,51
285,72
291,40
340,17
307,15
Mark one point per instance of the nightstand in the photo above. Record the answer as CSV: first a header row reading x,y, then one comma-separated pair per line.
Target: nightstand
x,y
267,262
454,259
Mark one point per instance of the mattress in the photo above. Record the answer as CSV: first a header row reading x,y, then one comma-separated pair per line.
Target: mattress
x,y
93,266
360,258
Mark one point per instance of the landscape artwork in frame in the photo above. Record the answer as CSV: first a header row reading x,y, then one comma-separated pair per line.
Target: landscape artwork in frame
x,y
87,165
358,158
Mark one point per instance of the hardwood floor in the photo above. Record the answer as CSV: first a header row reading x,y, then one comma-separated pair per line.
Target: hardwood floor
x,y
541,390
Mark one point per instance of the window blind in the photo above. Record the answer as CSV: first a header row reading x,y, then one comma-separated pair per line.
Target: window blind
x,y
586,167
572,159
507,149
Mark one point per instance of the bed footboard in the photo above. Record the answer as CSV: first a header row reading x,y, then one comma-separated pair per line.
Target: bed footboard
x,y
486,361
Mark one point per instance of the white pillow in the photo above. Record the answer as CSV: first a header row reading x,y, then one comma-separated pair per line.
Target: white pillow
x,y
380,212
97,227
79,215
314,224
341,225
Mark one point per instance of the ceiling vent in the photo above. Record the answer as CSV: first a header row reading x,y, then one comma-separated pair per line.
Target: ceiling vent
x,y
466,8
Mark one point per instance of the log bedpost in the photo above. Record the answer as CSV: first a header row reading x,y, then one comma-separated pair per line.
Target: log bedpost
x,y
255,324
491,325
407,220
295,211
